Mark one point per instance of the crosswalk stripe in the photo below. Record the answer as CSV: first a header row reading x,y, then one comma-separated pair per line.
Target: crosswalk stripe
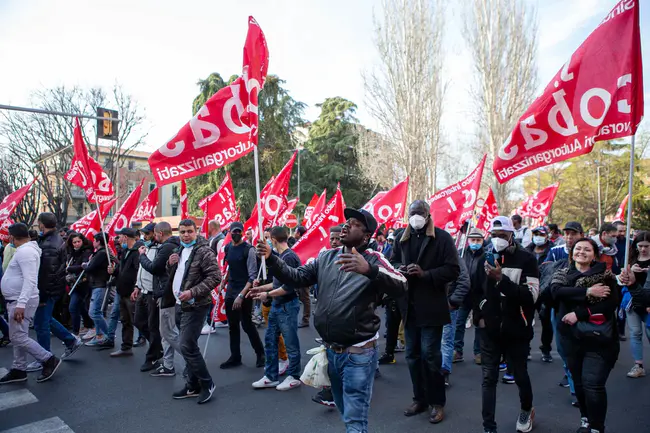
x,y
3,372
50,425
16,398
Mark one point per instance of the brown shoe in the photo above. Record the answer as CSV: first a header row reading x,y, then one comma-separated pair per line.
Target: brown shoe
x,y
416,408
437,414
122,353
477,359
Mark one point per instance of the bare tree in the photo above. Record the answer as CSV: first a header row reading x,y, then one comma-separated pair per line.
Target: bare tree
x,y
404,93
376,159
13,177
502,38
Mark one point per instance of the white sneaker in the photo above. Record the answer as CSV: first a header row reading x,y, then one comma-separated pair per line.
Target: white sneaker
x,y
288,383
89,335
282,367
220,325
265,382
207,329
400,347
34,366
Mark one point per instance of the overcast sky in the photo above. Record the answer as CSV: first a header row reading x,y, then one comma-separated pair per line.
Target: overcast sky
x,y
159,49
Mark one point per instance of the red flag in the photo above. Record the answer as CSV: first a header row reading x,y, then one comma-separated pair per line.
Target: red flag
x,y
91,224
317,237
86,173
488,212
220,205
596,96
219,301
620,213
309,209
452,206
252,223
318,208
184,213
4,229
539,204
122,218
225,128
272,201
389,205
291,205
147,209
9,203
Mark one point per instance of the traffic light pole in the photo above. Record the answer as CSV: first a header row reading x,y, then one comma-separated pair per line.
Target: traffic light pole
x,y
54,113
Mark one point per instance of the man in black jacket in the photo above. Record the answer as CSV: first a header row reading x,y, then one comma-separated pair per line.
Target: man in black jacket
x,y
428,257
51,287
126,273
350,282
503,312
164,297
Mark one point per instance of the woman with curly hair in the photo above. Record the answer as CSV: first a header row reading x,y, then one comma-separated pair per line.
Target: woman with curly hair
x,y
587,295
79,250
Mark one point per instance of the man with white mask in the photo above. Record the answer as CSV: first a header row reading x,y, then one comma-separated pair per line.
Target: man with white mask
x,y
503,309
427,256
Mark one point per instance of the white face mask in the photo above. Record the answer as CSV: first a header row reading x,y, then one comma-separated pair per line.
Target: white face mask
x,y
417,221
499,244
539,240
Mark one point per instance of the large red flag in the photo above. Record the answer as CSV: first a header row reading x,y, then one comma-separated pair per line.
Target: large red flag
x,y
539,204
276,196
225,128
317,237
318,208
9,203
309,209
452,206
184,213
122,218
620,213
291,205
147,209
91,224
390,205
220,205
86,173
597,95
252,222
488,212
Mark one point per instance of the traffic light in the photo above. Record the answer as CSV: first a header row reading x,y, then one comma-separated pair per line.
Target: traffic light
x,y
107,129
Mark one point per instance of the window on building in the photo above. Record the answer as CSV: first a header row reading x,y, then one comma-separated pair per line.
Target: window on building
x,y
108,164
132,186
152,186
174,210
131,165
175,191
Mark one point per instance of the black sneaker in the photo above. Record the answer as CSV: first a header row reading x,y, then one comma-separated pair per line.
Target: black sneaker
x,y
508,378
564,383
206,393
186,392
446,377
546,357
140,342
161,371
261,360
106,344
324,397
14,376
387,358
149,365
49,368
230,363
584,426
4,341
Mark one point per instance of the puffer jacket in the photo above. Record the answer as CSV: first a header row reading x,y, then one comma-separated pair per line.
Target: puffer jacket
x,y
126,272
459,289
97,270
51,274
201,275
74,269
158,268
345,312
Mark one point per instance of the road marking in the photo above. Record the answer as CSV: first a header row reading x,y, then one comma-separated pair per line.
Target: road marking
x,y
16,398
3,372
50,425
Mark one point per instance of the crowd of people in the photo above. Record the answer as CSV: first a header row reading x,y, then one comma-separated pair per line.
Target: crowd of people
x,y
160,285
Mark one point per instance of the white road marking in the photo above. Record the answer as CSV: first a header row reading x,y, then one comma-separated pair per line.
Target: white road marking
x,y
3,372
50,425
18,398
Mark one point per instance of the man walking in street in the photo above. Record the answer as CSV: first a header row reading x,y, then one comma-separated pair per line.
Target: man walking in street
x,y
193,274
19,288
350,282
147,315
428,257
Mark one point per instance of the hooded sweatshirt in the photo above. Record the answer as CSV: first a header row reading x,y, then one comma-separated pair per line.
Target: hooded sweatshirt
x,y
20,281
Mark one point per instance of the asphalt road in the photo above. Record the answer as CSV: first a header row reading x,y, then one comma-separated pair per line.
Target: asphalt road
x,y
93,393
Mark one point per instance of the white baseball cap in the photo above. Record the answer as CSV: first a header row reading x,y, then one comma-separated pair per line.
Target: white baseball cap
x,y
501,223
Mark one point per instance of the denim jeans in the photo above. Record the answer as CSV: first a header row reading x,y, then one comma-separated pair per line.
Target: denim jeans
x,y
560,351
459,338
447,345
352,376
424,357
283,319
19,335
113,318
191,324
636,323
44,323
96,313
78,310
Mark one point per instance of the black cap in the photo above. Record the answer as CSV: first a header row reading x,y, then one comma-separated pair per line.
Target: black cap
x,y
540,229
128,232
19,230
364,216
575,226
301,229
236,226
148,228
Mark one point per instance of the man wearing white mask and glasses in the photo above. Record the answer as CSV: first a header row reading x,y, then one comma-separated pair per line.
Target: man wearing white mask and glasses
x,y
503,310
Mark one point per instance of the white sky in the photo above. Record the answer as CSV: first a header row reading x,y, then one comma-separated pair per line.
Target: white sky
x,y
160,49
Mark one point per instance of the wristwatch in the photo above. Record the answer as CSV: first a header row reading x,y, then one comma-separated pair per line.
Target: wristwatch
x,y
240,296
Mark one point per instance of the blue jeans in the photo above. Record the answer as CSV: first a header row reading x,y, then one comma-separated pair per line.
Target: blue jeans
x,y
447,346
78,310
636,323
352,376
96,313
44,323
560,351
283,319
114,318
459,338
4,328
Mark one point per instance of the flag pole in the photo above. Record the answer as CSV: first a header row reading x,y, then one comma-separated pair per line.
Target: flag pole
x,y
629,205
259,206
101,219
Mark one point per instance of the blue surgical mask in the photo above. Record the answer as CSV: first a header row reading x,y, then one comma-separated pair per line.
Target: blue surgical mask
x,y
475,247
41,233
147,243
191,244
539,240
125,246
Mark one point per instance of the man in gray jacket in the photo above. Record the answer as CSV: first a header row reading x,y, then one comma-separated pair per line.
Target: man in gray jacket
x,y
20,289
